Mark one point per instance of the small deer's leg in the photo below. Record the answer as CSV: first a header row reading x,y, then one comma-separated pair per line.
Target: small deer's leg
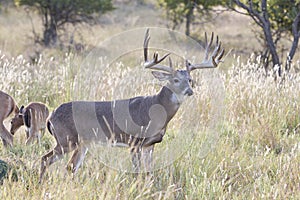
x,y
27,133
77,159
49,159
33,135
39,139
30,139
136,159
41,134
147,158
43,131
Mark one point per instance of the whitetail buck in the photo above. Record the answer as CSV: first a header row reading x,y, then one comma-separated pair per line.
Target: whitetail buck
x,y
33,116
7,106
138,123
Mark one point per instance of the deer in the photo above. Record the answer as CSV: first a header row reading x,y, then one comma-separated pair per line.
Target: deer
x,y
137,123
33,116
7,107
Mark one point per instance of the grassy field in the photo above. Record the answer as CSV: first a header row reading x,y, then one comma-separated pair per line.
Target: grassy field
x,y
252,152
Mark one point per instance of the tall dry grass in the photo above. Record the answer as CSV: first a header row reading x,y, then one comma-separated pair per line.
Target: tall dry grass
x,y
254,152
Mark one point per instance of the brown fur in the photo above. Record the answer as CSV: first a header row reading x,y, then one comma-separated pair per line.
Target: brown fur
x,y
33,116
139,122
7,106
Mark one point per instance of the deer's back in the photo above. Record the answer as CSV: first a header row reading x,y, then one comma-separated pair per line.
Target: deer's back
x,y
8,105
101,121
35,114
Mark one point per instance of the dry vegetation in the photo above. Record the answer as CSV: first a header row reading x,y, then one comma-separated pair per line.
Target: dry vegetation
x,y
255,149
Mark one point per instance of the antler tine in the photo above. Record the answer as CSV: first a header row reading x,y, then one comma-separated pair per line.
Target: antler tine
x,y
210,61
153,64
216,50
221,55
146,42
170,63
208,45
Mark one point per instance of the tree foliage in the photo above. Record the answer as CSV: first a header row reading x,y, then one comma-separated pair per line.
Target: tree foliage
x,y
56,14
276,18
180,11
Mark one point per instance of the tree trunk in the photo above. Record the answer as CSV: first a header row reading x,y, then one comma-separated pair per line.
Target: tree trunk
x,y
296,35
268,35
271,47
189,18
50,35
262,19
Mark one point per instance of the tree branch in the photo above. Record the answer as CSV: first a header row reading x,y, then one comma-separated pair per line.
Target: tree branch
x,y
262,19
251,12
296,36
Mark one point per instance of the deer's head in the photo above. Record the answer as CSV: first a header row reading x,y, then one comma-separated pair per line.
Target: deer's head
x,y
17,121
180,81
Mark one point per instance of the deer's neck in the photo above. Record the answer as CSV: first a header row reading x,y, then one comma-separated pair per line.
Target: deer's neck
x,y
167,98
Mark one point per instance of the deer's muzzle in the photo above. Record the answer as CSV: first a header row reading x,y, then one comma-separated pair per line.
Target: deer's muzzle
x,y
189,92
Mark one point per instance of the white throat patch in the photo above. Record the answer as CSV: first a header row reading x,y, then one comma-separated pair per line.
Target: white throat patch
x,y
175,98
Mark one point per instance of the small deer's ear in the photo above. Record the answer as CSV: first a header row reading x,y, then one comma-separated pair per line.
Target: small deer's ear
x,y
161,76
21,109
17,110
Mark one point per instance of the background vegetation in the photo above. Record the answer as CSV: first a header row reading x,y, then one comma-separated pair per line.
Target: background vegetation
x,y
256,154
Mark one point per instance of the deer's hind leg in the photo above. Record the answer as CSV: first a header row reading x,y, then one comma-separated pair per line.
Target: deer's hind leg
x,y
77,159
50,158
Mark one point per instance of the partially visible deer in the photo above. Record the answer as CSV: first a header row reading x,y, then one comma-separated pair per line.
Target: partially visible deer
x,y
7,106
138,123
33,116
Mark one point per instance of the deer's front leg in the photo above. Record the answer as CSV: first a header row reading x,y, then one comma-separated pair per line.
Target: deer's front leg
x,y
136,159
147,158
30,134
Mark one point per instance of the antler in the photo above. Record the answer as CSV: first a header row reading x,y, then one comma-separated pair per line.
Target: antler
x,y
211,61
153,64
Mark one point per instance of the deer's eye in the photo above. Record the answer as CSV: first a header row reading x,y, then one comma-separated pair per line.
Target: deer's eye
x,y
190,81
176,80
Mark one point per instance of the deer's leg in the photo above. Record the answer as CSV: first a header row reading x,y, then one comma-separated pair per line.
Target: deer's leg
x,y
147,158
136,159
27,133
77,159
41,134
30,139
33,135
49,159
6,137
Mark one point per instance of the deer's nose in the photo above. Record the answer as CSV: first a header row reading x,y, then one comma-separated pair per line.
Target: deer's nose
x,y
189,92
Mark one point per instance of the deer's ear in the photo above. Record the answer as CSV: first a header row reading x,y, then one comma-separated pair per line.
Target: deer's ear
x,y
17,110
161,76
21,109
